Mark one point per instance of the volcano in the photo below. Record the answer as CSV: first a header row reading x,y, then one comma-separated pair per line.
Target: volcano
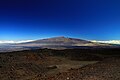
x,y
61,43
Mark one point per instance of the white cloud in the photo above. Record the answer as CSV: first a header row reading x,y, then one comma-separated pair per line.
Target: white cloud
x,y
109,41
10,41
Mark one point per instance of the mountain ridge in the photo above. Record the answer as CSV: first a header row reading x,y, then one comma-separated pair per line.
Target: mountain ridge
x,y
61,41
54,43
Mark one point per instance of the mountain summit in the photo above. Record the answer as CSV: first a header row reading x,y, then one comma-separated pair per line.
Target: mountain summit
x,y
60,42
52,43
65,41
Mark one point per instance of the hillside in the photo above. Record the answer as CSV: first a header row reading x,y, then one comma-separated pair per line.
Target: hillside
x,y
53,43
61,43
47,64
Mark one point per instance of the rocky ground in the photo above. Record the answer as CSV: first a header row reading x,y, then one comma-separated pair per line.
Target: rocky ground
x,y
31,66
105,70
60,65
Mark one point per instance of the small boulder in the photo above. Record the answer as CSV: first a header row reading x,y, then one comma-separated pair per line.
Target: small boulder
x,y
52,67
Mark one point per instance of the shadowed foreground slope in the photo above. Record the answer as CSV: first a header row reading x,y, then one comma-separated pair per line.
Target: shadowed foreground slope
x,y
71,64
105,70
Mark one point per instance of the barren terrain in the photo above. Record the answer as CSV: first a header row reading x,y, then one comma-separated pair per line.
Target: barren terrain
x,y
71,64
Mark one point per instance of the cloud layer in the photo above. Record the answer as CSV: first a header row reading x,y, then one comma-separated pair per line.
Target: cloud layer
x,y
23,41
10,41
110,41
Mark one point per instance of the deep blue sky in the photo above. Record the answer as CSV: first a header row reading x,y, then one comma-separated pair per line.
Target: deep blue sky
x,y
34,19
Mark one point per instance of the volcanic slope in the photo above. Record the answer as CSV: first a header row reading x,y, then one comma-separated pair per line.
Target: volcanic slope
x,y
62,43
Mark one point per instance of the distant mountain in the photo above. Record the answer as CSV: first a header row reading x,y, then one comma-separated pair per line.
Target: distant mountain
x,y
53,43
61,43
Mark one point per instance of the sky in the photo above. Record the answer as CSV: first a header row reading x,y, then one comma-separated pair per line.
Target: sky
x,y
37,19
